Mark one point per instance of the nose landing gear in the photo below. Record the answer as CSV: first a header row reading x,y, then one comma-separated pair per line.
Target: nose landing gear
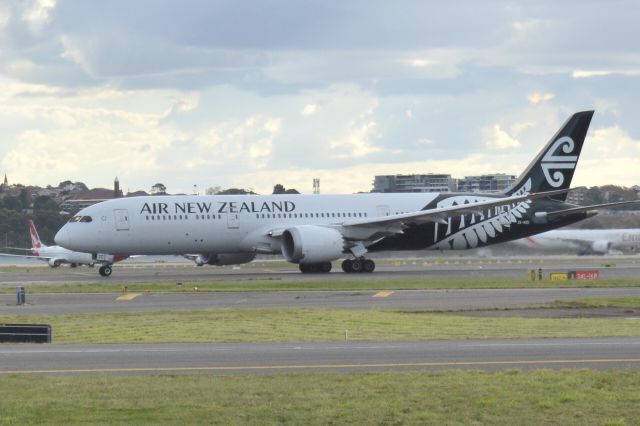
x,y
105,270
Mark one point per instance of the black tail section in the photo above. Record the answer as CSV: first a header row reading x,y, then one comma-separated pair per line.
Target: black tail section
x,y
553,168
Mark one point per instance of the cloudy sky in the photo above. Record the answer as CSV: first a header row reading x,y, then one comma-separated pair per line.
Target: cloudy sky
x,y
250,94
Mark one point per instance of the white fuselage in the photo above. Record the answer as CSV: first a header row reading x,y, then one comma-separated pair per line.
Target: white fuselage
x,y
599,241
220,223
59,254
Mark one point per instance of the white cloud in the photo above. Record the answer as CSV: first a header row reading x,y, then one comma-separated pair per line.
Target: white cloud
x,y
308,109
495,137
37,14
5,16
613,141
421,63
589,74
536,98
248,143
603,73
225,102
357,142
610,156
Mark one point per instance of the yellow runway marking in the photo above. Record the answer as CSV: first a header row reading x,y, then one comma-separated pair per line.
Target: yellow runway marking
x,y
128,296
327,366
383,294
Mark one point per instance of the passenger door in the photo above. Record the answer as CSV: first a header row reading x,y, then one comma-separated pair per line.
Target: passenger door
x,y
122,219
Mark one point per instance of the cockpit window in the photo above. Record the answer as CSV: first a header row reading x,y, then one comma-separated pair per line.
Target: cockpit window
x,y
85,219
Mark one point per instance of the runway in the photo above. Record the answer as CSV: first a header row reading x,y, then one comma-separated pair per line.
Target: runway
x,y
135,359
44,304
446,266
349,356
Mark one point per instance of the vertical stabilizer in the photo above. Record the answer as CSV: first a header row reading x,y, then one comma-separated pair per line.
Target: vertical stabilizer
x,y
36,245
553,168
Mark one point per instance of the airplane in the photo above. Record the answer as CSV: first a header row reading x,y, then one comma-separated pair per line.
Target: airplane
x,y
56,255
584,241
314,230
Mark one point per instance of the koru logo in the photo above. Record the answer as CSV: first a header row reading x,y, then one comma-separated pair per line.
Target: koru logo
x,y
550,161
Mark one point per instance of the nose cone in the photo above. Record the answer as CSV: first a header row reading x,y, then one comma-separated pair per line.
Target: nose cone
x,y
62,237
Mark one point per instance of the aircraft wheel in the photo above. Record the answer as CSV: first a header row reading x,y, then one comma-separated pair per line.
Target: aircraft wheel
x,y
368,265
304,268
73,265
105,271
356,265
346,265
325,267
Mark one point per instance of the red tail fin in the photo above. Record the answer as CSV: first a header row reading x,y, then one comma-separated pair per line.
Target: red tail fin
x,y
35,238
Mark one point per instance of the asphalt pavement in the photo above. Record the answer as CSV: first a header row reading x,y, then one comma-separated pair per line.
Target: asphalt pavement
x,y
255,358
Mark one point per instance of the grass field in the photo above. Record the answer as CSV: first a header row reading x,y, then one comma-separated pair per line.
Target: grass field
x,y
314,324
277,284
566,397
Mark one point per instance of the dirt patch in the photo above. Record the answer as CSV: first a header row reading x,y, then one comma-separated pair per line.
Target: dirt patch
x,y
607,312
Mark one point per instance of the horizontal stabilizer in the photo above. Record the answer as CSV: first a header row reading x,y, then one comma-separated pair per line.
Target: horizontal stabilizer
x,y
594,207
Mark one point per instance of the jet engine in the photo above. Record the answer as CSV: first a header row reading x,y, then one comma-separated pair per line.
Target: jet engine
x,y
220,259
601,246
54,263
311,244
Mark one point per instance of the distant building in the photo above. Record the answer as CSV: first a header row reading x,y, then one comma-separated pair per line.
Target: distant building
x,y
486,183
81,200
117,193
414,183
576,196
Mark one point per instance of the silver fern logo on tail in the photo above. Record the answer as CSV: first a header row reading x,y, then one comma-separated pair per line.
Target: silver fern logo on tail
x,y
480,229
551,161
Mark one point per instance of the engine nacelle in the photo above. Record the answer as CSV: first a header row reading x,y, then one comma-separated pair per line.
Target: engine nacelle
x,y
601,246
54,263
220,259
311,244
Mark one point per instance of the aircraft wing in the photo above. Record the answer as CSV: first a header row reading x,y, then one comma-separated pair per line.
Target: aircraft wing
x,y
25,256
442,213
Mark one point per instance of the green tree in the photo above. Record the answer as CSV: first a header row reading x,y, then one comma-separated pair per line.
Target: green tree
x,y
12,203
45,203
280,189
236,191
159,189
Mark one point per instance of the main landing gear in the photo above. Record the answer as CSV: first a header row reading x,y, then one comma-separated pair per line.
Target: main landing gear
x,y
349,265
105,270
358,265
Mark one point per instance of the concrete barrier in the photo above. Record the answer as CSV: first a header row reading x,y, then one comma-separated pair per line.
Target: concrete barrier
x,y
25,333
